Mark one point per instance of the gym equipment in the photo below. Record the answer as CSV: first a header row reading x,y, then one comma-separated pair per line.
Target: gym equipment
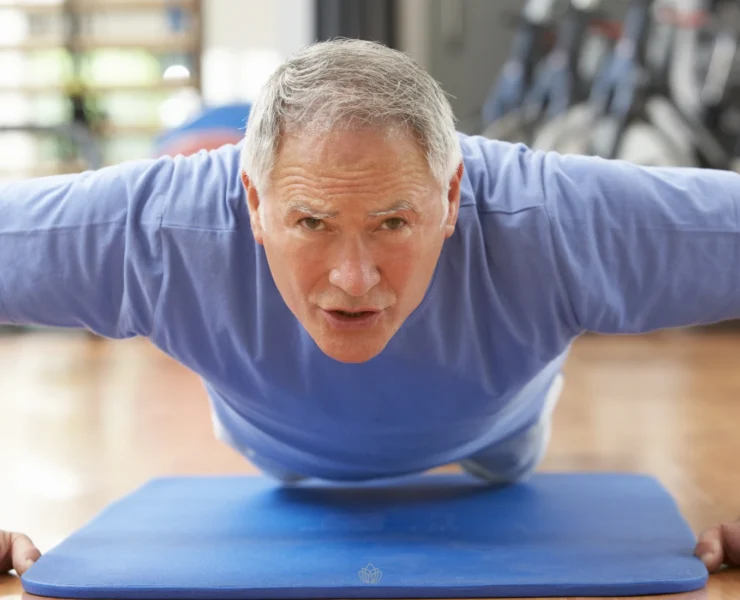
x,y
418,536
684,99
627,114
556,85
613,96
720,92
669,95
613,90
507,92
559,79
709,96
214,127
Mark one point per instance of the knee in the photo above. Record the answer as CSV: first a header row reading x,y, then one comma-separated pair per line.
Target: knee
x,y
498,476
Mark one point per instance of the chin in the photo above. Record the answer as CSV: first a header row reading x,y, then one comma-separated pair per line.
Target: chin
x,y
352,347
351,351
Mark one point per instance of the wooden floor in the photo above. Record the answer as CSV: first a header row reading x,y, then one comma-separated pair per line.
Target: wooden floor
x,y
84,421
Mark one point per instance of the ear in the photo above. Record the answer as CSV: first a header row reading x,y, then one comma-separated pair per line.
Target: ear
x,y
253,203
453,199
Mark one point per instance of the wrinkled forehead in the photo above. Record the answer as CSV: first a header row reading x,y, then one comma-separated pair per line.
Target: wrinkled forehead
x,y
353,169
391,149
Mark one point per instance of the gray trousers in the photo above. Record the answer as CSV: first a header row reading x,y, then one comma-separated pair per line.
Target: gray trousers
x,y
517,458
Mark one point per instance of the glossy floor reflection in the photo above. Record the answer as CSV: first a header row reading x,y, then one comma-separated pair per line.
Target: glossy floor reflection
x,y
84,421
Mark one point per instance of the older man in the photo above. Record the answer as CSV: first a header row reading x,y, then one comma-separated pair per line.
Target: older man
x,y
365,292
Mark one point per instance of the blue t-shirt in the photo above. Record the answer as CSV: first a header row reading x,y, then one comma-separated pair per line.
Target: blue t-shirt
x,y
546,247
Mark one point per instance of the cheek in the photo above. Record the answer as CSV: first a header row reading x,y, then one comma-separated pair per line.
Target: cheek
x,y
403,263
305,262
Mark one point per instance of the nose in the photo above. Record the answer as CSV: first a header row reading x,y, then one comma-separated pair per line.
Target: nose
x,y
355,272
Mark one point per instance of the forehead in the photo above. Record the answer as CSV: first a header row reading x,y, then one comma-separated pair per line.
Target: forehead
x,y
352,154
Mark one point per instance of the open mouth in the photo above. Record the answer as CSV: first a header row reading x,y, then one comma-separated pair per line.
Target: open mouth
x,y
352,315
352,319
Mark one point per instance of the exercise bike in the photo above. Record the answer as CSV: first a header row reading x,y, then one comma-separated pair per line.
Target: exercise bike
x,y
561,78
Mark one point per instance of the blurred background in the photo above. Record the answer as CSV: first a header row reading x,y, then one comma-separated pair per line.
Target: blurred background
x,y
85,83
88,83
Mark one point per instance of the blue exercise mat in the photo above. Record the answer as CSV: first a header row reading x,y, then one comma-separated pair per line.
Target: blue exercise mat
x,y
423,536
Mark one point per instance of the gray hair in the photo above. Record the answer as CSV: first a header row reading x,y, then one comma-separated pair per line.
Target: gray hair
x,y
346,83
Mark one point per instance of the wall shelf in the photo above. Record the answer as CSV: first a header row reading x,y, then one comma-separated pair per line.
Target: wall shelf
x,y
169,43
109,59
162,86
90,6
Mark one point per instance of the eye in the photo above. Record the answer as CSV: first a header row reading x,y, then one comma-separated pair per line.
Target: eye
x,y
394,224
312,224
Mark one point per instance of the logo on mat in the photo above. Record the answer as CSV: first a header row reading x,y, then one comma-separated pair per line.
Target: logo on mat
x,y
370,574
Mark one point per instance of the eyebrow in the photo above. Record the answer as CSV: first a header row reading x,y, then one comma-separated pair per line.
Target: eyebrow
x,y
400,206
307,209
302,207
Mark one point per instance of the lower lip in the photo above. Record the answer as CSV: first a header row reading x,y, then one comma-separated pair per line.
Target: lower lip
x,y
352,323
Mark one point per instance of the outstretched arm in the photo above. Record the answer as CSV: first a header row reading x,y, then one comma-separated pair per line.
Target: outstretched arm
x,y
640,249
84,250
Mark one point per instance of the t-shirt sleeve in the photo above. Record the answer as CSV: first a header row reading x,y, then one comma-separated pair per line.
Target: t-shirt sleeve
x,y
642,248
84,250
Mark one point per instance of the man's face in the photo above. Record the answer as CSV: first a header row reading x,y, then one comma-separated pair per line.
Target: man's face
x,y
353,226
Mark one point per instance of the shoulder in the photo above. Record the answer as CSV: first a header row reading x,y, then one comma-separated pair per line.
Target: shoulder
x,y
204,191
500,176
